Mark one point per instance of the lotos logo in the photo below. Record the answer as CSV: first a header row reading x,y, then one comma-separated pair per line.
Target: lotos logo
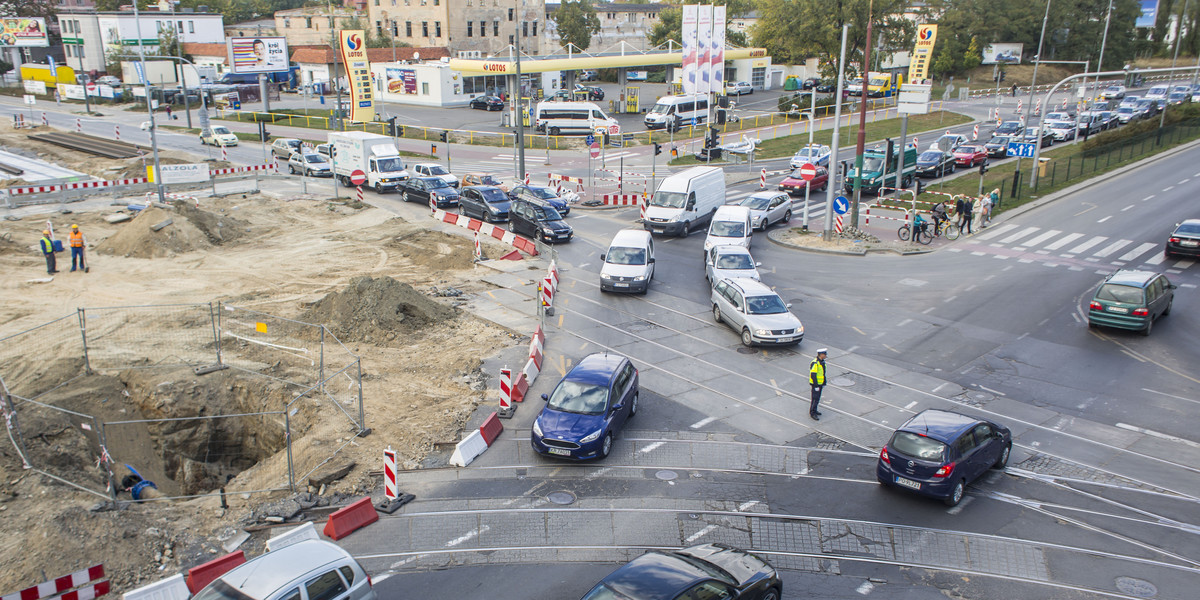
x,y
354,42
924,34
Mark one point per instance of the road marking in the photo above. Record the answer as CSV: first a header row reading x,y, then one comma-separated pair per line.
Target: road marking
x,y
743,507
702,422
904,322
879,335
467,536
1136,252
892,349
1169,395
851,349
979,254
991,390
927,311
651,447
1077,318
1041,238
961,505
1001,256
1088,244
1157,259
950,299
970,287
1183,264
858,330
1133,356
1128,207
1168,188
1067,239
1104,219
699,534
560,317
1157,434
1151,196
997,232
865,588
1113,247
778,392
914,402
562,365
1020,234
1184,181
1025,260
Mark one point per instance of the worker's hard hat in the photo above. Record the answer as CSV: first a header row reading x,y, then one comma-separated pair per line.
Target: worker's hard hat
x,y
45,232
74,227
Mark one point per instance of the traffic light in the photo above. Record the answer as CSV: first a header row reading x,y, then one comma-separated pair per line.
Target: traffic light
x,y
657,149
1001,75
392,126
983,168
891,153
445,136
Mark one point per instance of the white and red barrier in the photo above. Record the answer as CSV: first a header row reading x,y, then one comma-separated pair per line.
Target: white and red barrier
x,y
262,167
548,287
78,126
1037,108
224,153
64,583
621,199
499,233
1020,103
506,391
975,132
48,189
389,473
117,132
837,224
762,179
45,121
478,248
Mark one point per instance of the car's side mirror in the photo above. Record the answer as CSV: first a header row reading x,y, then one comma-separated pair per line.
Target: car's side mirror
x,y
788,305
618,407
1171,286
651,261
602,257
758,264
691,205
545,397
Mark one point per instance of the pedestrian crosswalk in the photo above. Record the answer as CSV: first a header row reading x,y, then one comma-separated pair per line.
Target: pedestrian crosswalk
x,y
1054,247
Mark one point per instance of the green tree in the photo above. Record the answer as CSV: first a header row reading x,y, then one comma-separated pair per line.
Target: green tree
x,y
670,23
577,23
972,57
793,31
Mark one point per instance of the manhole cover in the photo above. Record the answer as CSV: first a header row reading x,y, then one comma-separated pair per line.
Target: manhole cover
x,y
1136,587
795,301
563,498
666,475
745,350
842,381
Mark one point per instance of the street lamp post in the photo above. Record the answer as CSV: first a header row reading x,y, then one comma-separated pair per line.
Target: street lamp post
x,y
1037,59
827,234
162,197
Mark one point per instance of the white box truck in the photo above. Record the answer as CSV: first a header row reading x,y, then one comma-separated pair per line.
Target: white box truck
x,y
685,201
375,155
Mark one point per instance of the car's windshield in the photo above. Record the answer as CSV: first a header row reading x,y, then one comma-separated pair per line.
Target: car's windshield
x,y
439,182
603,592
543,193
765,305
969,149
930,156
576,397
727,229
669,199
1031,132
494,196
1125,110
734,261
292,143
1000,139
219,590
625,256
314,158
438,170
390,165
549,213
761,202
878,82
489,180
660,109
918,446
220,130
1120,293
872,164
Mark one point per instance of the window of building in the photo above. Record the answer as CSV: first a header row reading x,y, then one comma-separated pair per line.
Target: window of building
x,y
496,28
483,29
191,27
378,27
424,88
287,23
408,28
524,28
395,28
510,39
437,29
308,22
437,2
79,52
180,28
424,28
470,28
66,49
376,2
535,29
510,15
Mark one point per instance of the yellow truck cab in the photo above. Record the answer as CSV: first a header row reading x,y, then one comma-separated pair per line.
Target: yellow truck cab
x,y
884,85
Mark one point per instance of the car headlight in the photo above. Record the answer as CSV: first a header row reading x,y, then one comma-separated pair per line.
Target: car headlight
x,y
591,437
547,231
605,276
640,278
537,427
762,332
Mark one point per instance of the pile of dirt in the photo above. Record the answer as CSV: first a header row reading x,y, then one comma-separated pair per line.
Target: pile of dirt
x,y
137,238
373,309
9,244
220,229
435,249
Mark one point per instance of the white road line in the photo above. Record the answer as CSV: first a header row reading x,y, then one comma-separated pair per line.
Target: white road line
x,y
1087,244
743,507
1041,238
1183,264
997,232
1158,434
1104,219
1157,259
991,390
927,311
467,536
914,402
1150,197
702,422
950,299
1020,234
1000,256
903,323
979,254
699,534
1184,181
1168,188
1169,395
1063,241
865,588
1136,252
1128,207
1113,247
652,447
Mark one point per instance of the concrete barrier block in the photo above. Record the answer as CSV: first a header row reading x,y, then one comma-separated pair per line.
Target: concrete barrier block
x,y
171,588
470,447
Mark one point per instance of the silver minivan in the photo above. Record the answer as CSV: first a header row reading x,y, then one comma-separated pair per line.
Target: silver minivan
x,y
308,570
629,263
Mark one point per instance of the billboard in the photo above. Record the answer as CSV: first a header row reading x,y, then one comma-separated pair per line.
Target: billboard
x,y
1004,54
918,66
257,54
352,45
1148,14
401,81
23,32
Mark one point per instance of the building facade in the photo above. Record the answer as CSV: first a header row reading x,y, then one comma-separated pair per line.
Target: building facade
x,y
313,24
88,34
478,28
619,23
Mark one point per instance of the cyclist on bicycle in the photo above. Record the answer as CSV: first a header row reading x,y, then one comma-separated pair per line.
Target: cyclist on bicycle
x,y
939,214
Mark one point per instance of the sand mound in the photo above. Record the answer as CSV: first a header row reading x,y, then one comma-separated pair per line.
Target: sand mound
x,y
435,249
220,229
374,309
138,240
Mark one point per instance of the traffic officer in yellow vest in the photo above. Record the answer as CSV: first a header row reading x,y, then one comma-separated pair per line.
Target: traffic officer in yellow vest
x,y
816,379
76,241
48,252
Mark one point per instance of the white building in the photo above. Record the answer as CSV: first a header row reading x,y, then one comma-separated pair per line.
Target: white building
x,y
87,34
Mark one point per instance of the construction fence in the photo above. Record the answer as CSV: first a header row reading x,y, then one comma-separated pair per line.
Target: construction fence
x,y
187,396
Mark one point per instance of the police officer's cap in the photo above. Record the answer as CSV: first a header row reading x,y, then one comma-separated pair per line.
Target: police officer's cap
x,y
822,351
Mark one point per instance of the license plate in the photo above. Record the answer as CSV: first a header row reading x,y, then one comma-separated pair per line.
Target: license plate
x,y
658,230
786,339
622,285
908,483
560,451
1189,243
1117,309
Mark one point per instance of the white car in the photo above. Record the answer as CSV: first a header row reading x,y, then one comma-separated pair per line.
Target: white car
x,y
739,88
815,154
1114,92
310,164
767,208
436,170
109,80
1062,130
727,262
218,135
755,311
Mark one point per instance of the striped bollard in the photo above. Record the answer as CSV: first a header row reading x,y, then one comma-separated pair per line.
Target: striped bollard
x,y
547,295
506,409
915,143
478,248
1064,104
527,179
1020,103
389,474
45,121
642,208
975,132
762,179
78,125
224,155
117,132
868,215
947,132
1037,108
360,196
838,223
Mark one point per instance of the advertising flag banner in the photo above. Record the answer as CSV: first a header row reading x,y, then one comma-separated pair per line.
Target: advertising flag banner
x,y
353,48
255,55
704,82
918,67
690,14
718,44
1148,13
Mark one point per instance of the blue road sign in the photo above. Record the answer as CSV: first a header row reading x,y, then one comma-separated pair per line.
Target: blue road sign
x,y
841,205
1022,149
590,139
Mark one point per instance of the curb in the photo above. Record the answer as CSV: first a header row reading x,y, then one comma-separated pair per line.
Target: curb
x,y
863,252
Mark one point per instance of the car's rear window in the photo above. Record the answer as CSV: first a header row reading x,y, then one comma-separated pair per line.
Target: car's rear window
x,y
930,156
734,261
1114,292
219,590
1189,229
918,446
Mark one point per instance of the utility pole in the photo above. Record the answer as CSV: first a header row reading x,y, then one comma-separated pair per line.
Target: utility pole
x,y
860,147
519,121
837,124
187,110
137,19
1037,60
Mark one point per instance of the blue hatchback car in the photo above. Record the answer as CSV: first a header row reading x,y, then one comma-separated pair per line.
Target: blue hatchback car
x,y
587,409
937,453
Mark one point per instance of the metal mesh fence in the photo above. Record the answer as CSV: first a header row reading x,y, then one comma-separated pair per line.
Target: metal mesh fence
x,y
60,443
149,336
26,357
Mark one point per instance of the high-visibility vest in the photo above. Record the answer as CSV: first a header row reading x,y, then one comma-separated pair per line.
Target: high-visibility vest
x,y
816,373
76,238
47,245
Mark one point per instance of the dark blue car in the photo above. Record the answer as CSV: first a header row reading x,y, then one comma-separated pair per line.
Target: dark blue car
x,y
704,571
540,193
587,409
937,453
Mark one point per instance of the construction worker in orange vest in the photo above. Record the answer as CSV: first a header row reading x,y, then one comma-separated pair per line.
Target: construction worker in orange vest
x,y
76,241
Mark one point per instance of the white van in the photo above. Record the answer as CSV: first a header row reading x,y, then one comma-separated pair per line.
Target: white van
x,y
1158,92
629,263
685,201
730,227
557,118
673,112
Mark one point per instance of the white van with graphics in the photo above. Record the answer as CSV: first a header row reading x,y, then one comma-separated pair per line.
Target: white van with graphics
x,y
673,112
685,201
558,118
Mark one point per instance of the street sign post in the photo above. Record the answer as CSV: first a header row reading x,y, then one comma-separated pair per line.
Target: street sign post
x,y
841,205
358,177
808,171
590,139
1021,149
595,149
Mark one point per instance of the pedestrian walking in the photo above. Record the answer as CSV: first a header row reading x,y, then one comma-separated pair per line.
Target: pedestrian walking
x,y
968,215
995,197
977,210
48,252
816,380
168,112
1014,90
960,210
77,242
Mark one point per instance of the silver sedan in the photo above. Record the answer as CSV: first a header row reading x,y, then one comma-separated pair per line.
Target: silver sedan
x,y
768,208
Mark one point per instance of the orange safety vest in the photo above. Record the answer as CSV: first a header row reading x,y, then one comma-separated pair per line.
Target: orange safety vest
x,y
76,239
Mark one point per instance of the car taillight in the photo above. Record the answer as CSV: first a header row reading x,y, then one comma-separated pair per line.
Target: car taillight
x,y
1096,305
945,470
369,582
884,456
1140,312
1174,240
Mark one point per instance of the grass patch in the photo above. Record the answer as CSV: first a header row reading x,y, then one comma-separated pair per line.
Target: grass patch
x,y
879,130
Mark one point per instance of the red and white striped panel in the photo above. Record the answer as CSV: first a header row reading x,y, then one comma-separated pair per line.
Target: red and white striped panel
x,y
621,199
537,347
66,582
488,229
82,185
238,169
552,275
90,592
554,177
548,293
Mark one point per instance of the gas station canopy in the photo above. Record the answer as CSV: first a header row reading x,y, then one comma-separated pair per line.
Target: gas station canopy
x,y
543,64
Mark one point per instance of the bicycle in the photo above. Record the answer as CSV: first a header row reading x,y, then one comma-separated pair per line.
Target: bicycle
x,y
948,229
923,236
